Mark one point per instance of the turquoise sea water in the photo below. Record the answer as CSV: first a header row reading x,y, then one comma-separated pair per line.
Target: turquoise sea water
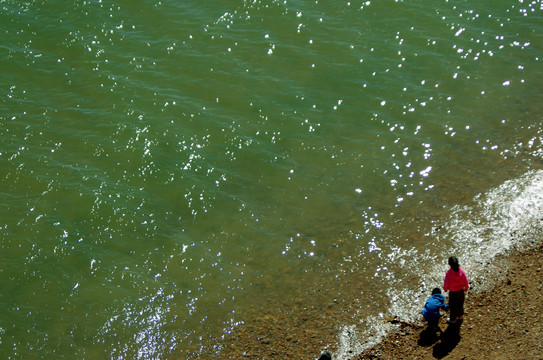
x,y
170,167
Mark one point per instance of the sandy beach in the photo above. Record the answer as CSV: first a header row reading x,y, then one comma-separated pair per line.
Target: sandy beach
x,y
503,320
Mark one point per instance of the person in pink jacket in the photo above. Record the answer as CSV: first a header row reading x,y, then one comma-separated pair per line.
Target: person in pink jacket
x,y
456,283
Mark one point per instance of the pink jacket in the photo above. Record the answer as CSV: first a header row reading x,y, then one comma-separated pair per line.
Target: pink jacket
x,y
456,280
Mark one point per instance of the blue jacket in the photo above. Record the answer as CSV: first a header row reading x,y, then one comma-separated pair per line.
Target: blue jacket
x,y
432,306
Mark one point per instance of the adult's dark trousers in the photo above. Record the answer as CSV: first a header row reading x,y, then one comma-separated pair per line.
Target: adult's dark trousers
x,y
456,303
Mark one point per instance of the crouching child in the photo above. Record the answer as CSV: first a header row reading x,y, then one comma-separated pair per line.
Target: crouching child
x,y
431,311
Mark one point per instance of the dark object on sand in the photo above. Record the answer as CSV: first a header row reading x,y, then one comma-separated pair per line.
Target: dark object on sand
x,y
326,356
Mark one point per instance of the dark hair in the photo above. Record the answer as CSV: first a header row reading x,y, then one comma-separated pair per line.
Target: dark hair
x,y
436,291
453,262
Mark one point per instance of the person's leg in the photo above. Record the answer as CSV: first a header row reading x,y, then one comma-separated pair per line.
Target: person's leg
x,y
433,323
455,305
461,298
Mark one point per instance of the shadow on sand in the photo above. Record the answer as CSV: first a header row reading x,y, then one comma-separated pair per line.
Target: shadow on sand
x,y
447,341
444,342
429,336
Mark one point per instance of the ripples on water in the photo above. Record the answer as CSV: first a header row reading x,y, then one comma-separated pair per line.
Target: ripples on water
x,y
167,168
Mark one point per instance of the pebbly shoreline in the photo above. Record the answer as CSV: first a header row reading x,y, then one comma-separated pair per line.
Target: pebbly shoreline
x,y
503,320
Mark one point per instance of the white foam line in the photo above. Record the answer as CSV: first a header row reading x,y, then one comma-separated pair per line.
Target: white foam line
x,y
504,217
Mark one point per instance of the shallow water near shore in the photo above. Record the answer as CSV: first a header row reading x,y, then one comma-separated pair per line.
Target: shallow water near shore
x,y
173,170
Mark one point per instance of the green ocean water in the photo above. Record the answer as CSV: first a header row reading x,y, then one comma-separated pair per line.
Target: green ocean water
x,y
169,168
